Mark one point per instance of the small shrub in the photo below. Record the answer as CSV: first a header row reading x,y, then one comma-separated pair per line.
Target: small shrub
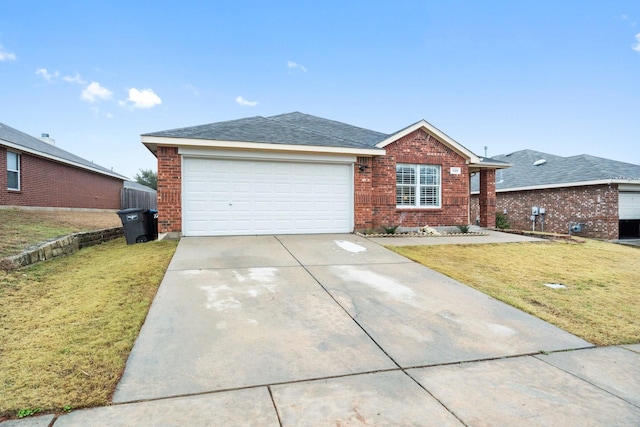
x,y
27,412
368,231
391,229
464,229
502,222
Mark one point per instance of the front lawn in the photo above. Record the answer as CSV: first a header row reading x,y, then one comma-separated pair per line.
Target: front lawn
x,y
21,228
599,304
67,325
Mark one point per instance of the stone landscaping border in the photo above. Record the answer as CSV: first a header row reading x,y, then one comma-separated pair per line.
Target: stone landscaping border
x,y
422,234
60,246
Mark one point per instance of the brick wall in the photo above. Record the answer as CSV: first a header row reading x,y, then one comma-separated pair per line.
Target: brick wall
x,y
50,184
169,190
487,202
363,180
375,188
595,205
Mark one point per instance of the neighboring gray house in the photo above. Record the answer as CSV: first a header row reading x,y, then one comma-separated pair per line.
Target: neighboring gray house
x,y
602,194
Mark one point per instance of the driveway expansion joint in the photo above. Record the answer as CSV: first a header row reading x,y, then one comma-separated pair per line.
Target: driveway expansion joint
x,y
343,308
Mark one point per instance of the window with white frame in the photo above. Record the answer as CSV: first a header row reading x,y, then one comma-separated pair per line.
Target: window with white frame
x,y
13,171
418,186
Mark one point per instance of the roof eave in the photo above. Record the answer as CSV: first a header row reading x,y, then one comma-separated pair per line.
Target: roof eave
x,y
490,165
24,149
152,143
571,184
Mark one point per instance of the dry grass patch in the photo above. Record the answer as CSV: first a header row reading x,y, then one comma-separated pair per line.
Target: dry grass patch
x,y
599,304
21,228
67,325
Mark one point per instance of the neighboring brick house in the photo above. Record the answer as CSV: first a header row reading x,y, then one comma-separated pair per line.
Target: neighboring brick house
x,y
39,174
602,194
296,173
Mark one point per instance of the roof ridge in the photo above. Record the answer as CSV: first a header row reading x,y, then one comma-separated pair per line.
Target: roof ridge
x,y
315,132
327,120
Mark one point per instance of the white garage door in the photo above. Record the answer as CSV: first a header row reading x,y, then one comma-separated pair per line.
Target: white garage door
x,y
245,197
629,205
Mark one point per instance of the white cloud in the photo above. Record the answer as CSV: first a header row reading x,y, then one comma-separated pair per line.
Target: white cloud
x,y
240,100
46,75
636,46
145,98
94,92
74,79
6,56
292,65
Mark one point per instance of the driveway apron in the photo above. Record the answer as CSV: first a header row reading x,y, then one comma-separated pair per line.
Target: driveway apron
x,y
234,312
336,330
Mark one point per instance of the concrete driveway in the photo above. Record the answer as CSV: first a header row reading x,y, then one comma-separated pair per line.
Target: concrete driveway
x,y
335,330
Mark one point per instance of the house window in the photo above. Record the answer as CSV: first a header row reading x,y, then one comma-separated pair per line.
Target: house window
x,y
13,171
418,186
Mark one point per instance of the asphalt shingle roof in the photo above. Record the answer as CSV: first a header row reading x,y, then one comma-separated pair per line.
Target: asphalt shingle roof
x,y
292,128
557,170
31,143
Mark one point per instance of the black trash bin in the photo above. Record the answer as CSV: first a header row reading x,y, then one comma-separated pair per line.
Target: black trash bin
x,y
136,225
153,224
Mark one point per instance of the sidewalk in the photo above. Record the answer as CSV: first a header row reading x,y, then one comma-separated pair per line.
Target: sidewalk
x,y
490,236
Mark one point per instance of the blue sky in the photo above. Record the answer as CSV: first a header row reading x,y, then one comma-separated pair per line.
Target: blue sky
x,y
556,76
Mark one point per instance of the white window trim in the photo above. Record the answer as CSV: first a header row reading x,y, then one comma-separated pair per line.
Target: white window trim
x,y
17,171
417,185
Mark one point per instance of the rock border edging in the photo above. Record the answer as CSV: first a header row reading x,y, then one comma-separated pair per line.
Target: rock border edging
x,y
61,246
419,234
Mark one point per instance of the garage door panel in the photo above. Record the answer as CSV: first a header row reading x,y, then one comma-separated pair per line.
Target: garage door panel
x,y
197,206
227,197
629,205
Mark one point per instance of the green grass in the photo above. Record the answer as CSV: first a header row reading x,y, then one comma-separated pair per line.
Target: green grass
x,y
600,303
67,325
20,229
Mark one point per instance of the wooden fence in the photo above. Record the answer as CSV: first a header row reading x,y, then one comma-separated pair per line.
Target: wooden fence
x,y
132,198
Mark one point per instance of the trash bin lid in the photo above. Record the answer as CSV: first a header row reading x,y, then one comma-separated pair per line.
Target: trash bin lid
x,y
130,210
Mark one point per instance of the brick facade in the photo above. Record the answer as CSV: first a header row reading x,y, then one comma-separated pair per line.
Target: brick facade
x,y
375,187
596,206
169,190
47,183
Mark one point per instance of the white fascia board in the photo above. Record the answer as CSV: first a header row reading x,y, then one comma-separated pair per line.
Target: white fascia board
x,y
488,165
443,137
214,153
151,141
37,153
570,184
